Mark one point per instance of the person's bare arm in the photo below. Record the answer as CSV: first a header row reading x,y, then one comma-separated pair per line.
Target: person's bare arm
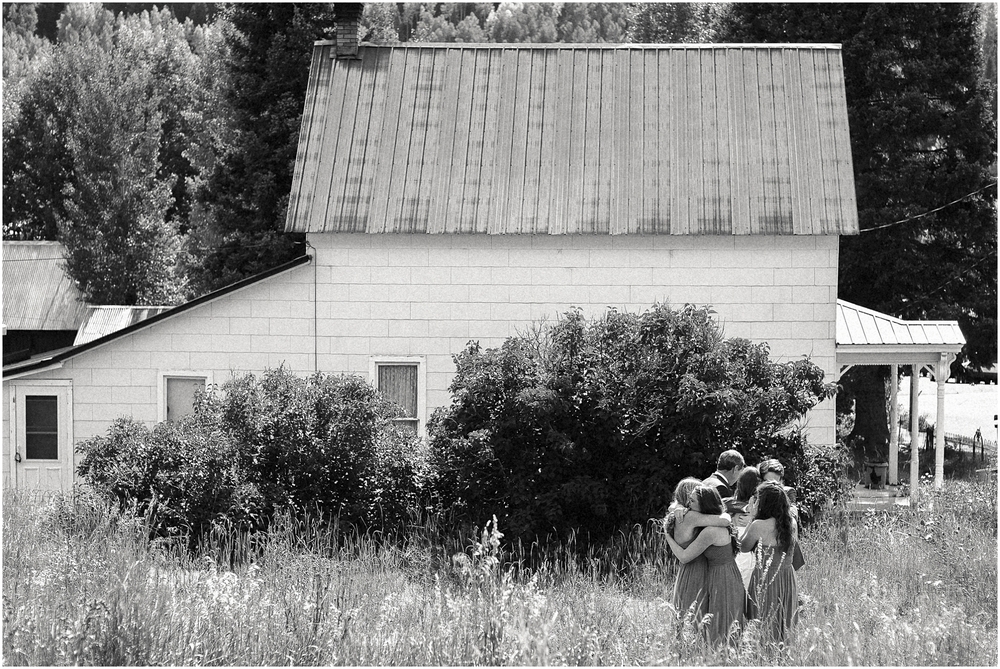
x,y
697,547
696,519
750,537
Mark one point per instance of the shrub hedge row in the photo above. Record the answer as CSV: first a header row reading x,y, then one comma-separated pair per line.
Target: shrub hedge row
x,y
577,426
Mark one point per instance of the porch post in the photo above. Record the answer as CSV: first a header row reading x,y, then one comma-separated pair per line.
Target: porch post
x,y
914,433
893,425
942,375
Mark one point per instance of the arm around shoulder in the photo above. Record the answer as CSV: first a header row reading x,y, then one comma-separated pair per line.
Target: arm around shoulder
x,y
697,547
697,519
750,537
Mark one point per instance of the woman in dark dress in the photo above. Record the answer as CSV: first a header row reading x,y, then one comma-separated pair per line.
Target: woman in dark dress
x,y
773,592
682,526
725,596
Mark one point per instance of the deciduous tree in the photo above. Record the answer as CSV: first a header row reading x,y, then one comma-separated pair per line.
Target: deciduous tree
x,y
120,246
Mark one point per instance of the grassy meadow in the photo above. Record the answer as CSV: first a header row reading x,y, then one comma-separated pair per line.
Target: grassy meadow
x,y
83,587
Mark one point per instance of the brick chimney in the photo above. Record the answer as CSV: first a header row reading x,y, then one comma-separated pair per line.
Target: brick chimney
x,y
348,18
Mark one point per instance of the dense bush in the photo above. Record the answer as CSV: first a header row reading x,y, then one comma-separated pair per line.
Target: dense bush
x,y
586,426
818,472
260,444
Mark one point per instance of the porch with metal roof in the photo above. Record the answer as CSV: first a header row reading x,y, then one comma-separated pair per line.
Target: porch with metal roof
x,y
869,337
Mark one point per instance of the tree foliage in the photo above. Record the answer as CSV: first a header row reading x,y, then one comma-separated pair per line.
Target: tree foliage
x,y
675,22
121,249
588,425
258,446
246,195
96,153
923,135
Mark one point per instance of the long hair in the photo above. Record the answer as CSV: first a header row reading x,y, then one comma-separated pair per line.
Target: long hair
x,y
710,503
682,497
772,502
746,484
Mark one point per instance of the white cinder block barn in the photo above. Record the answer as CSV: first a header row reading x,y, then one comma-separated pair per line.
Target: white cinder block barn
x,y
460,192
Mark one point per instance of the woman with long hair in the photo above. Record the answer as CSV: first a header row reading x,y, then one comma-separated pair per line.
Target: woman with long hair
x,y
773,592
682,525
725,596
746,486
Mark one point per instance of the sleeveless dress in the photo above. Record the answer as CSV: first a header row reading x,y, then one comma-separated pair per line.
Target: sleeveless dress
x,y
690,586
773,596
726,594
745,561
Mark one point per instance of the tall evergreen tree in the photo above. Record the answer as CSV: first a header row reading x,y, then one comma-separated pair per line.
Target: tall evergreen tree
x,y
923,136
246,196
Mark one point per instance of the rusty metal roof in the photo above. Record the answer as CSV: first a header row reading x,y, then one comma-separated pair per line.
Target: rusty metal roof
x,y
858,326
103,320
37,294
619,139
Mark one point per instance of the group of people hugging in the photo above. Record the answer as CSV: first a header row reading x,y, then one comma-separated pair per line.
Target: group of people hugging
x,y
736,536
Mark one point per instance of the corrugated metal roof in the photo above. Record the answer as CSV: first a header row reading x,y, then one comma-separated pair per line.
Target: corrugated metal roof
x,y
860,326
575,139
37,294
100,321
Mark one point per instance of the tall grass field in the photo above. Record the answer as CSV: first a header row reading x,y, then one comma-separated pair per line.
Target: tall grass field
x,y
83,586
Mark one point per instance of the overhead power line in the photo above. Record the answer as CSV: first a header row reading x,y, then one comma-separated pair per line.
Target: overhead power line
x,y
928,213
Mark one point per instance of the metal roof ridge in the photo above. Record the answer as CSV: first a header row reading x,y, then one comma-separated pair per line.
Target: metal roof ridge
x,y
588,45
873,312
901,321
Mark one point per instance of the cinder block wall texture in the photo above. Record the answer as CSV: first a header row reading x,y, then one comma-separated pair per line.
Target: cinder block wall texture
x,y
428,295
412,295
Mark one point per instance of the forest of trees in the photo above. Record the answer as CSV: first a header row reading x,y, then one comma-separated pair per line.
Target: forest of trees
x,y
157,142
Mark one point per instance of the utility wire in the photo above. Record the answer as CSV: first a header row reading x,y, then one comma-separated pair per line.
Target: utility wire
x,y
959,275
928,213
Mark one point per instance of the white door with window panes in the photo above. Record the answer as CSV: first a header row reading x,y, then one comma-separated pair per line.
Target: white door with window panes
x,y
401,381
42,435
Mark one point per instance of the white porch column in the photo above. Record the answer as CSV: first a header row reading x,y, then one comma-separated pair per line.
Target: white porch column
x,y
914,433
941,373
893,425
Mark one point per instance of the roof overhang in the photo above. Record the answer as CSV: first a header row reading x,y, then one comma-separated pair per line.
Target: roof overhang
x,y
54,359
865,355
869,337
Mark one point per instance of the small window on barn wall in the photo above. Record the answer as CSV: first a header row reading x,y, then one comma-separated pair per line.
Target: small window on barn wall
x,y
177,392
402,381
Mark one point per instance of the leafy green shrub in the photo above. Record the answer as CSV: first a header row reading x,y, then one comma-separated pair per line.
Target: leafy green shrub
x,y
264,443
818,472
588,426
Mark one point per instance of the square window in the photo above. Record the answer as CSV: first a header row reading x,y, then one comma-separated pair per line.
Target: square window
x,y
180,392
41,427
